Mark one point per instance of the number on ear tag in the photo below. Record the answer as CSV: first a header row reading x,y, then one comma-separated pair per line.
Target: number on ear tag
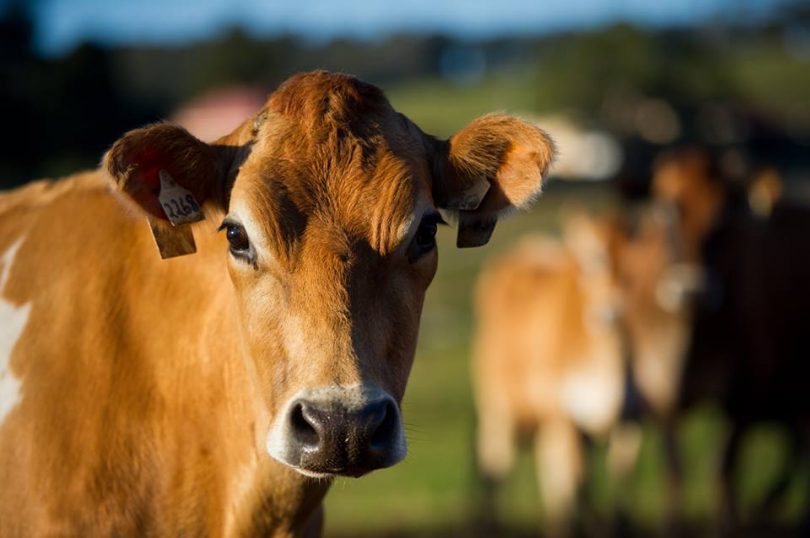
x,y
178,203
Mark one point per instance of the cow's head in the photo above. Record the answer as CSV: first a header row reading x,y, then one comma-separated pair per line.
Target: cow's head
x,y
691,181
331,201
594,242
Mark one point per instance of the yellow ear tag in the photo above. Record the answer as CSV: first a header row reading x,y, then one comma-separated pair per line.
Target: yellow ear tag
x,y
474,230
172,241
181,208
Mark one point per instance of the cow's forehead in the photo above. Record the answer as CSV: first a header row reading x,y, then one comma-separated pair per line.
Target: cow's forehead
x,y
332,151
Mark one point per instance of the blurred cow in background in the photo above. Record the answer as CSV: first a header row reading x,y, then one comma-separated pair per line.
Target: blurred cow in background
x,y
716,304
547,358
660,273
703,296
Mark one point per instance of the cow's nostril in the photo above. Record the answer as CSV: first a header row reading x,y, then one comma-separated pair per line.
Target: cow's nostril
x,y
303,430
384,435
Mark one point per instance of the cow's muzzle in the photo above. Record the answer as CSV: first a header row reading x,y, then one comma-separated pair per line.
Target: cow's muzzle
x,y
346,431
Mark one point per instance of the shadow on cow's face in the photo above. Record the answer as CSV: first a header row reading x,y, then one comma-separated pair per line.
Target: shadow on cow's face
x,y
331,259
332,204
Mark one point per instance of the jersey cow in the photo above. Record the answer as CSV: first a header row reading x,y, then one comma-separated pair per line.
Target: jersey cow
x,y
219,393
547,357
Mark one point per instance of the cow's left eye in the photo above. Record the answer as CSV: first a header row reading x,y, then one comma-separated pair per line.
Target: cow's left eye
x,y
425,239
238,242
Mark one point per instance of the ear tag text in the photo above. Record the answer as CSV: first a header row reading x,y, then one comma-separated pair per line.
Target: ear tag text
x,y
175,238
177,202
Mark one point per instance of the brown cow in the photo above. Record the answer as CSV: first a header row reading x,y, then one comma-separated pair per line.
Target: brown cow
x,y
219,393
548,356
660,268
716,308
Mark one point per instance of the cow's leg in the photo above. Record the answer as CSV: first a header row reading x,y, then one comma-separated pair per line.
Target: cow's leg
x,y
674,473
728,463
791,462
559,463
804,436
797,459
624,447
495,445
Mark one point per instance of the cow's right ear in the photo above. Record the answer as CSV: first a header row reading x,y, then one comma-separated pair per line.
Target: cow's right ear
x,y
494,165
164,157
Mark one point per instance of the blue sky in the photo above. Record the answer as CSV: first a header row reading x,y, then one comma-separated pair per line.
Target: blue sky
x,y
60,24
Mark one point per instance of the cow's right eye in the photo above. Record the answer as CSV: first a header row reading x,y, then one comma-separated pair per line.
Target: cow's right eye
x,y
425,239
238,242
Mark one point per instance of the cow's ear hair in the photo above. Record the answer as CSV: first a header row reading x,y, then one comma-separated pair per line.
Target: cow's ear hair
x,y
142,158
494,165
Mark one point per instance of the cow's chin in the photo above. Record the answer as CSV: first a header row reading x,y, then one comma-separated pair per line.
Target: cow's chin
x,y
312,474
320,475
353,470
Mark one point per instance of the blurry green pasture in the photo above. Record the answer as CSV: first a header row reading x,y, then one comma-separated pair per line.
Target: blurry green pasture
x,y
434,492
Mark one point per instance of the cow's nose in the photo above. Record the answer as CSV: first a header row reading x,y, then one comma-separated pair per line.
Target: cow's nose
x,y
332,438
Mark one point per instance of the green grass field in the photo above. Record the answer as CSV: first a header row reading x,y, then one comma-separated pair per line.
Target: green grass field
x,y
433,492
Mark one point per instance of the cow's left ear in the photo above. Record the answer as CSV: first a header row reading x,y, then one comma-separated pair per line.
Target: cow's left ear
x,y
168,174
150,163
495,164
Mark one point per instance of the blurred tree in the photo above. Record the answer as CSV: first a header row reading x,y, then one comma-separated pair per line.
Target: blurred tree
x,y
579,71
17,64
64,111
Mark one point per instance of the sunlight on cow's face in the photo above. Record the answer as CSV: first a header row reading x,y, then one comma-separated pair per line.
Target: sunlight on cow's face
x,y
331,260
331,204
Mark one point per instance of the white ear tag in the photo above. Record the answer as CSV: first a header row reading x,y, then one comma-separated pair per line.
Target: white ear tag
x,y
181,208
178,203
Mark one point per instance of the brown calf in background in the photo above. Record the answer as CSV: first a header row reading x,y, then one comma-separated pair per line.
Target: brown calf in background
x,y
735,333
547,357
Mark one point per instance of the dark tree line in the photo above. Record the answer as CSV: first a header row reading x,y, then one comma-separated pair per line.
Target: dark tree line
x,y
61,113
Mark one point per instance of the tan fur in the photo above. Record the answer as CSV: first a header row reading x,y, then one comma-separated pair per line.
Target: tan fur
x,y
547,356
657,332
661,270
686,179
765,191
663,258
149,385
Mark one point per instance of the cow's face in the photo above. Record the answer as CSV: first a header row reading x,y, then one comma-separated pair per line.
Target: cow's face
x,y
594,242
690,181
331,204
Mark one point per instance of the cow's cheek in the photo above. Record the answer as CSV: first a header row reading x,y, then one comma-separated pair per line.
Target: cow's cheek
x,y
262,314
407,299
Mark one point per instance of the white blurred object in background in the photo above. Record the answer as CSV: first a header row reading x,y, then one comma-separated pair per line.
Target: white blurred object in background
x,y
583,154
220,111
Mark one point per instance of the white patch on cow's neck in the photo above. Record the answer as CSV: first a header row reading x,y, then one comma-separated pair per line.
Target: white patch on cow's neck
x,y
12,321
